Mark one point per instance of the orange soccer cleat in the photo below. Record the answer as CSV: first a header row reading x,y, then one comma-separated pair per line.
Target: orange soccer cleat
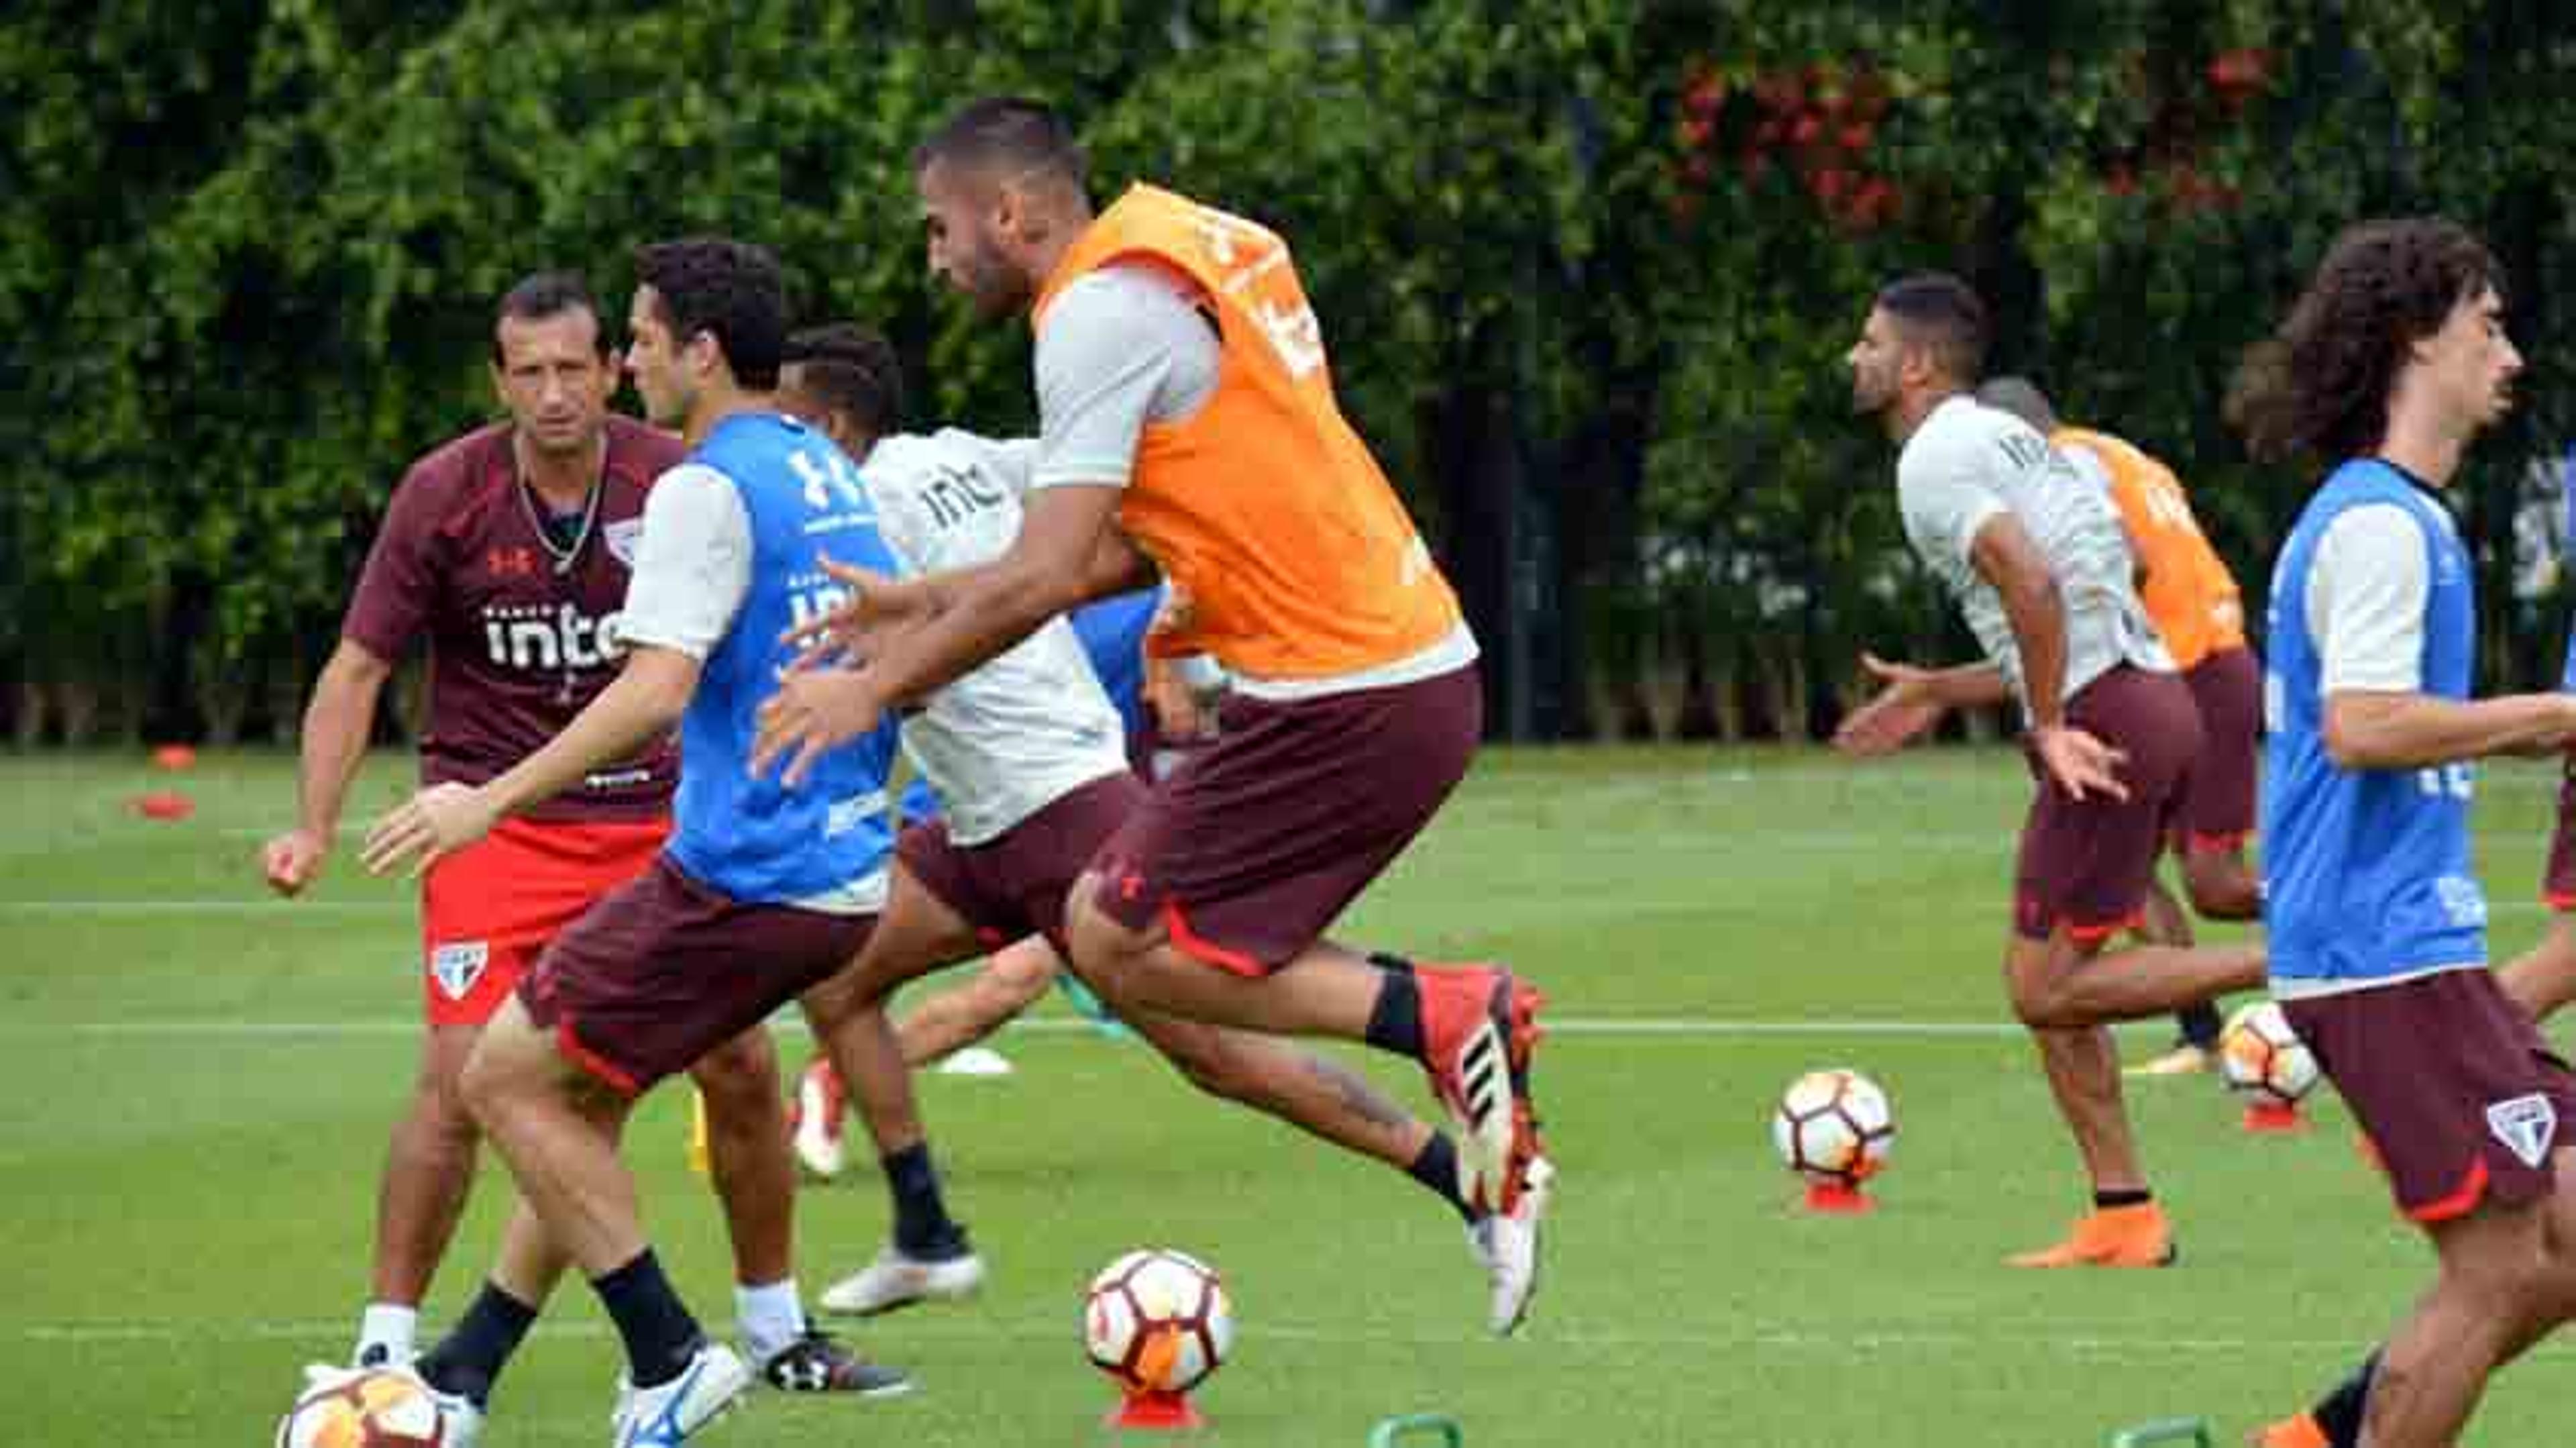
x,y
2135,1236
2297,1431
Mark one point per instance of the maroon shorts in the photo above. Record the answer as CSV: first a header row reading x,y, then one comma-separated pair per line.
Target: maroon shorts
x,y
1248,852
1015,884
2217,810
2459,1095
2558,886
666,969
2085,864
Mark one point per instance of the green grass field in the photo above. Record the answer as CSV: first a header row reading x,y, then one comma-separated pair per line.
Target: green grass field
x,y
198,1081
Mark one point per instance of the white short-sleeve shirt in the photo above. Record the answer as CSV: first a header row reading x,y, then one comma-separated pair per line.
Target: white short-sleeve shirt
x,y
1030,725
1969,463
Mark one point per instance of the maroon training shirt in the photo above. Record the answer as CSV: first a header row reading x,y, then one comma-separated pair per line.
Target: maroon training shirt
x,y
519,639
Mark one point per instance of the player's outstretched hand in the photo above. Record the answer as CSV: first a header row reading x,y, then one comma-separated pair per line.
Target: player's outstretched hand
x,y
293,860
2080,763
878,605
1906,706
813,711
424,829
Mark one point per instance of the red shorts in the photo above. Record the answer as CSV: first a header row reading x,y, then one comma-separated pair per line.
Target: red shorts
x,y
2086,863
488,911
1252,847
2217,808
2458,1094
666,969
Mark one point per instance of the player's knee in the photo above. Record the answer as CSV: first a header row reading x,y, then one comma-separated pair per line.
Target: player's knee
x,y
1021,973
1106,954
2039,979
741,1074
2222,887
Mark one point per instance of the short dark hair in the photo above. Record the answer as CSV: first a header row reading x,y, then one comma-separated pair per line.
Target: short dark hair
x,y
1010,133
539,295
1942,313
731,290
2319,386
853,370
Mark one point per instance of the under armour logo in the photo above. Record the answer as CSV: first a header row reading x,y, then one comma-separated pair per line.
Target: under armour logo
x,y
2526,1125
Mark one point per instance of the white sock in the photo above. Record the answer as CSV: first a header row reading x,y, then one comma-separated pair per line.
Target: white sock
x,y
385,1332
772,1317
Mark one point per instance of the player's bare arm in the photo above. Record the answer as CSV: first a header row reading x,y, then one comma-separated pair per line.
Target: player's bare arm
x,y
337,724
643,702
1912,699
2006,557
1059,561
2394,729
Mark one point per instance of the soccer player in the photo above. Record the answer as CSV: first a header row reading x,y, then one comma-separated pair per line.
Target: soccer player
x,y
508,550
761,892
2036,560
2393,360
1185,404
1030,758
2193,601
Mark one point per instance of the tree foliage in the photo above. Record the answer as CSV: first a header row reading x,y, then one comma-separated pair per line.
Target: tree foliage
x,y
1588,271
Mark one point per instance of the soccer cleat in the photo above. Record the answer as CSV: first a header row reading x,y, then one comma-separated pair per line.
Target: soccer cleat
x,y
460,1423
2299,1431
665,1414
1507,1243
816,1363
2185,1059
1479,1030
2136,1236
896,1280
818,1114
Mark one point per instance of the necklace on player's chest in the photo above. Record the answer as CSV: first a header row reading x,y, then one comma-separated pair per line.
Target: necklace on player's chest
x,y
563,557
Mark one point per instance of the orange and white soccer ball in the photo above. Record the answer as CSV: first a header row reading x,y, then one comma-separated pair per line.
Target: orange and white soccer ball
x,y
2262,1056
371,1408
1158,1321
1834,1127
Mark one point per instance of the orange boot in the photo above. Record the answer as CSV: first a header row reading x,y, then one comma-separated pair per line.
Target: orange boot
x,y
2298,1431
2132,1236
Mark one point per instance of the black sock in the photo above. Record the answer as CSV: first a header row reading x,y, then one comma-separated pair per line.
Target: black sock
x,y
2199,1025
1395,1022
2340,1412
2126,1197
1437,1168
660,1334
469,1359
922,1228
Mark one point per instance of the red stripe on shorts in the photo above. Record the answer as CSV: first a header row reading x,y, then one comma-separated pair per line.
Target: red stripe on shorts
x,y
2096,934
2196,843
2459,1203
592,1062
1198,947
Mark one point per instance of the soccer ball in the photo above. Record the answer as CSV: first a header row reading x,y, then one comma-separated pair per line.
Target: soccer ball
x,y
2261,1055
1157,1321
371,1408
1834,1127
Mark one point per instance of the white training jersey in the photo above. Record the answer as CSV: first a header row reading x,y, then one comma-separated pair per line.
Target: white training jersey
x,y
1969,462
1031,725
